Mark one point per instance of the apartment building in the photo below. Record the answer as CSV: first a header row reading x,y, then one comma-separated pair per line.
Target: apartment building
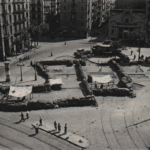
x,y
37,11
75,18
51,7
14,20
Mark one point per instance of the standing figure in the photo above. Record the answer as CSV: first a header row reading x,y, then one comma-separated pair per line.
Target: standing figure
x,y
55,125
134,57
51,54
27,115
22,117
131,52
40,120
65,43
65,129
31,63
36,129
59,127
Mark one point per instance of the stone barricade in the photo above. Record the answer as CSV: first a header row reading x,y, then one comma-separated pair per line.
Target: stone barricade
x,y
57,62
123,57
42,71
125,80
85,87
81,77
113,92
41,104
79,71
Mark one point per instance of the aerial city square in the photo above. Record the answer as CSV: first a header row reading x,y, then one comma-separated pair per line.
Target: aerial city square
x,y
74,74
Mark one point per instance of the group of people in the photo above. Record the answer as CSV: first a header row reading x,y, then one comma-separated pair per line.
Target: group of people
x,y
58,127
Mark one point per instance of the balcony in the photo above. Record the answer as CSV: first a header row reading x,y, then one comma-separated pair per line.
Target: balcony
x,y
4,12
19,21
18,11
5,23
17,32
6,35
3,1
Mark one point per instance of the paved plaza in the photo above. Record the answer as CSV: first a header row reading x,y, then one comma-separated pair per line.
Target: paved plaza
x,y
118,123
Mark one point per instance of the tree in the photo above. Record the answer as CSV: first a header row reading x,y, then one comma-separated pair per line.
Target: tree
x,y
44,29
35,32
25,38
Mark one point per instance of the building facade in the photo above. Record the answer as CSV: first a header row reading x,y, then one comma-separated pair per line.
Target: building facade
x,y
75,18
14,20
37,11
148,17
52,7
130,18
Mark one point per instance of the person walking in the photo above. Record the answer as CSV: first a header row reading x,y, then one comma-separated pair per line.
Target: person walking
x,y
51,54
27,115
65,43
55,125
22,117
31,63
65,129
131,52
40,120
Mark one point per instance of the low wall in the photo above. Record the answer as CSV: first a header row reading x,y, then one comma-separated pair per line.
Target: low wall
x,y
125,80
41,71
123,57
57,62
41,104
79,71
113,92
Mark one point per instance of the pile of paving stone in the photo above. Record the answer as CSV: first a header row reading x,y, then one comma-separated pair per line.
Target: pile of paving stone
x,y
42,104
123,57
41,71
57,62
113,92
79,71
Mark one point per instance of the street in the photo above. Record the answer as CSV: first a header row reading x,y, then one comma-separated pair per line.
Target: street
x,y
118,123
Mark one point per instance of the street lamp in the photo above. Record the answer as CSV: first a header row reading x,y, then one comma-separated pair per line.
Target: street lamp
x,y
20,64
35,71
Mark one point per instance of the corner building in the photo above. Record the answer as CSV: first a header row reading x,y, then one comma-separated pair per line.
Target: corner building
x,y
14,19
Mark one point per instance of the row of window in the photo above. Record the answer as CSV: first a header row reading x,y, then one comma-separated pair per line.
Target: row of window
x,y
81,24
65,8
17,28
74,1
16,17
15,6
73,16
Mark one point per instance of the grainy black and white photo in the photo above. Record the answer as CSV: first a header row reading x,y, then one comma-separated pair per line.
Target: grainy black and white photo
x,y
74,74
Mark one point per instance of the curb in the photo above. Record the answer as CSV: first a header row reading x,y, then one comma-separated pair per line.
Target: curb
x,y
69,137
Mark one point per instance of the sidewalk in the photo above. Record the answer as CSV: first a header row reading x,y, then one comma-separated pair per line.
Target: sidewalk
x,y
15,59
70,137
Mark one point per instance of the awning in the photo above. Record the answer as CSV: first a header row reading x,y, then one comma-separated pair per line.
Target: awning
x,y
104,79
56,81
20,91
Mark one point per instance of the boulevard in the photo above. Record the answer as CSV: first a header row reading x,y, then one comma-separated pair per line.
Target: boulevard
x,y
116,123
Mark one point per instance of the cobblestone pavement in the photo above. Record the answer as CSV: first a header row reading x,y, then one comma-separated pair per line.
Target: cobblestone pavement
x,y
118,123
